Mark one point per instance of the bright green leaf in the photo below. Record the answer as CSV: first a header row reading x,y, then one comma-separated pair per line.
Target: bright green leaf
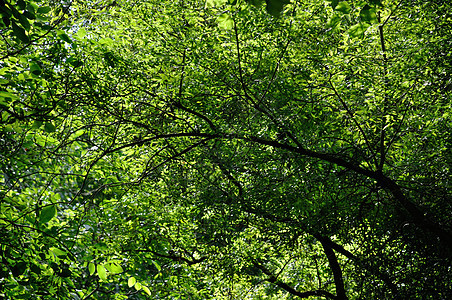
x,y
225,22
101,272
114,268
146,290
81,33
58,252
91,268
131,281
137,286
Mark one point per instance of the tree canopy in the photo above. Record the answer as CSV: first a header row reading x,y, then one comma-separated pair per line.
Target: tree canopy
x,y
225,149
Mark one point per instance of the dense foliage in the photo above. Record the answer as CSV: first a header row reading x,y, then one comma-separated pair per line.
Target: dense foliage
x,y
222,150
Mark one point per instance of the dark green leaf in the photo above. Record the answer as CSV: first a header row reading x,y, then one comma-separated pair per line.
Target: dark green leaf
x,y
37,124
24,22
44,9
275,7
334,3
376,3
19,268
21,4
368,14
49,127
47,213
19,32
29,15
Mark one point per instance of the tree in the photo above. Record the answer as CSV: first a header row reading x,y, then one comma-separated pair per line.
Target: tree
x,y
193,149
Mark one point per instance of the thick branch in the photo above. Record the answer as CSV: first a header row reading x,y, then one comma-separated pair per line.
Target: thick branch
x,y
337,271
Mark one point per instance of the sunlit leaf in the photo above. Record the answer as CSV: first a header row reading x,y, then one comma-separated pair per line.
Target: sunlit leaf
x,y
101,272
91,268
131,282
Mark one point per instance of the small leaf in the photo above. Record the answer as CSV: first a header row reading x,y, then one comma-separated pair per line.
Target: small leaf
x,y
131,281
47,213
91,268
49,127
159,268
225,22
101,272
343,7
137,286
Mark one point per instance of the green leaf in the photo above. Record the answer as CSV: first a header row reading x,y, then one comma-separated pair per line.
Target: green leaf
x,y
91,268
159,268
358,30
44,9
35,68
21,4
368,14
81,33
101,272
29,15
36,124
47,213
19,32
24,22
376,3
62,35
131,281
146,290
8,96
343,7
58,252
334,3
225,22
114,268
275,7
49,127
137,286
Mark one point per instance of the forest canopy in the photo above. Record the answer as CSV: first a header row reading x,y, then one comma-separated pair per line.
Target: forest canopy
x,y
221,149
